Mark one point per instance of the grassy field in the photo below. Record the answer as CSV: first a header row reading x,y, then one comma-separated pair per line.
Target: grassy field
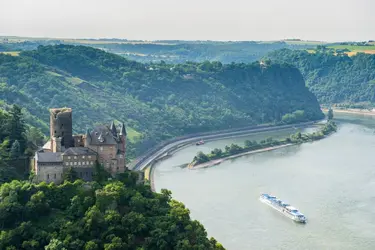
x,y
12,53
305,42
354,49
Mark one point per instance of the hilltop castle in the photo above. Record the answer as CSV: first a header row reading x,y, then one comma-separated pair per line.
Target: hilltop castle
x,y
105,144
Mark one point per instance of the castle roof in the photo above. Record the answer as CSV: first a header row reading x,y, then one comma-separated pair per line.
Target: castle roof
x,y
79,151
102,135
49,157
47,145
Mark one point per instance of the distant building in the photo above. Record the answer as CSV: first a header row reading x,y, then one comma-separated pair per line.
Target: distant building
x,y
104,144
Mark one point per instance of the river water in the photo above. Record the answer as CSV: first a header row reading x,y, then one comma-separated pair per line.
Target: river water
x,y
331,181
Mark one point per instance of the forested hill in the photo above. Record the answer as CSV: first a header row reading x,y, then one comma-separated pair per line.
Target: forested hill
x,y
157,101
334,78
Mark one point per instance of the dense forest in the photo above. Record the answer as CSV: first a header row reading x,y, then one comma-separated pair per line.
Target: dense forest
x,y
156,101
115,215
332,76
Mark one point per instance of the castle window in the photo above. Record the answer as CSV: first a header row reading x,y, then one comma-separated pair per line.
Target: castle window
x,y
101,148
79,163
47,176
71,163
75,163
69,157
120,156
75,157
92,163
83,157
55,132
66,163
117,168
89,156
87,163
54,176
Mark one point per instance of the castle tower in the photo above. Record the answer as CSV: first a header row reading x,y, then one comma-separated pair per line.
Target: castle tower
x,y
61,126
122,146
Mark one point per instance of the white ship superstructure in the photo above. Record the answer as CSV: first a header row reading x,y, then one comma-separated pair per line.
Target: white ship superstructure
x,y
283,207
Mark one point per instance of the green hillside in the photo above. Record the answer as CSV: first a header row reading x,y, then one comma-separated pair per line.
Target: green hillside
x,y
92,216
156,101
334,78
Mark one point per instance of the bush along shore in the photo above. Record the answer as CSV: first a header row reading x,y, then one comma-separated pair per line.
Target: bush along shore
x,y
205,160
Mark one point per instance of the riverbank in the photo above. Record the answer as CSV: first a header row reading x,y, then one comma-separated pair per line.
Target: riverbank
x,y
218,161
148,163
218,155
178,143
352,111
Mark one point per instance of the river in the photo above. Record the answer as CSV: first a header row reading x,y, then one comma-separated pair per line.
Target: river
x,y
331,181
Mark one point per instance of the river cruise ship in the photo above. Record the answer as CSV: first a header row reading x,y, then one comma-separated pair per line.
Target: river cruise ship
x,y
283,207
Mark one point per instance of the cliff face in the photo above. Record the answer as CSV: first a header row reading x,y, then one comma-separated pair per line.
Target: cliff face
x,y
334,77
157,100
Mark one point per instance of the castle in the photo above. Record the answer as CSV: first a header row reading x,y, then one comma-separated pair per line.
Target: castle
x,y
105,144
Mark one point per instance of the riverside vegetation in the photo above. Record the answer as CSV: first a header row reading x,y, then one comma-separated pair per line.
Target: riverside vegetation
x,y
249,146
158,101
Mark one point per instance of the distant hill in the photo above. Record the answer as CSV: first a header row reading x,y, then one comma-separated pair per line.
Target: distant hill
x,y
170,51
335,78
157,101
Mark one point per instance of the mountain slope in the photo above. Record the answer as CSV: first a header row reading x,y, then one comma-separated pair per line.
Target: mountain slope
x,y
334,78
157,100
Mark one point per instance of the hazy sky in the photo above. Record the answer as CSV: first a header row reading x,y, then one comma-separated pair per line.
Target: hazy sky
x,y
329,20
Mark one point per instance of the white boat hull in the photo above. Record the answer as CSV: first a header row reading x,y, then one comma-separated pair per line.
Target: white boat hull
x,y
282,210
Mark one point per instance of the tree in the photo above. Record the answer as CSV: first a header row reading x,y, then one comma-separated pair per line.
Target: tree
x,y
201,157
248,144
70,175
330,114
17,127
15,151
217,152
100,174
34,135
55,244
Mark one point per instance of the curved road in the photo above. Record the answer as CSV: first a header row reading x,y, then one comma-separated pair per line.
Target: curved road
x,y
148,160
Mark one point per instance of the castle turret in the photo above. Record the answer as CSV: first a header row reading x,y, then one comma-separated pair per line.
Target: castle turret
x,y
122,130
87,138
113,129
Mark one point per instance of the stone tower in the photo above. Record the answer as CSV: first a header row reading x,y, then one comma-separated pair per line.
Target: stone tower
x,y
61,129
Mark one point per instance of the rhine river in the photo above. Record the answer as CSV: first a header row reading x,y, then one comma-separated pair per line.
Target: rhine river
x,y
331,181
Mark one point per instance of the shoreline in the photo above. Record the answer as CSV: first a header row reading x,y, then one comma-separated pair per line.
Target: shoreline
x,y
150,164
219,161
351,111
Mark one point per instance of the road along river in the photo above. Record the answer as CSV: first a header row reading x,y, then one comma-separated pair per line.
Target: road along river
x,y
332,181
